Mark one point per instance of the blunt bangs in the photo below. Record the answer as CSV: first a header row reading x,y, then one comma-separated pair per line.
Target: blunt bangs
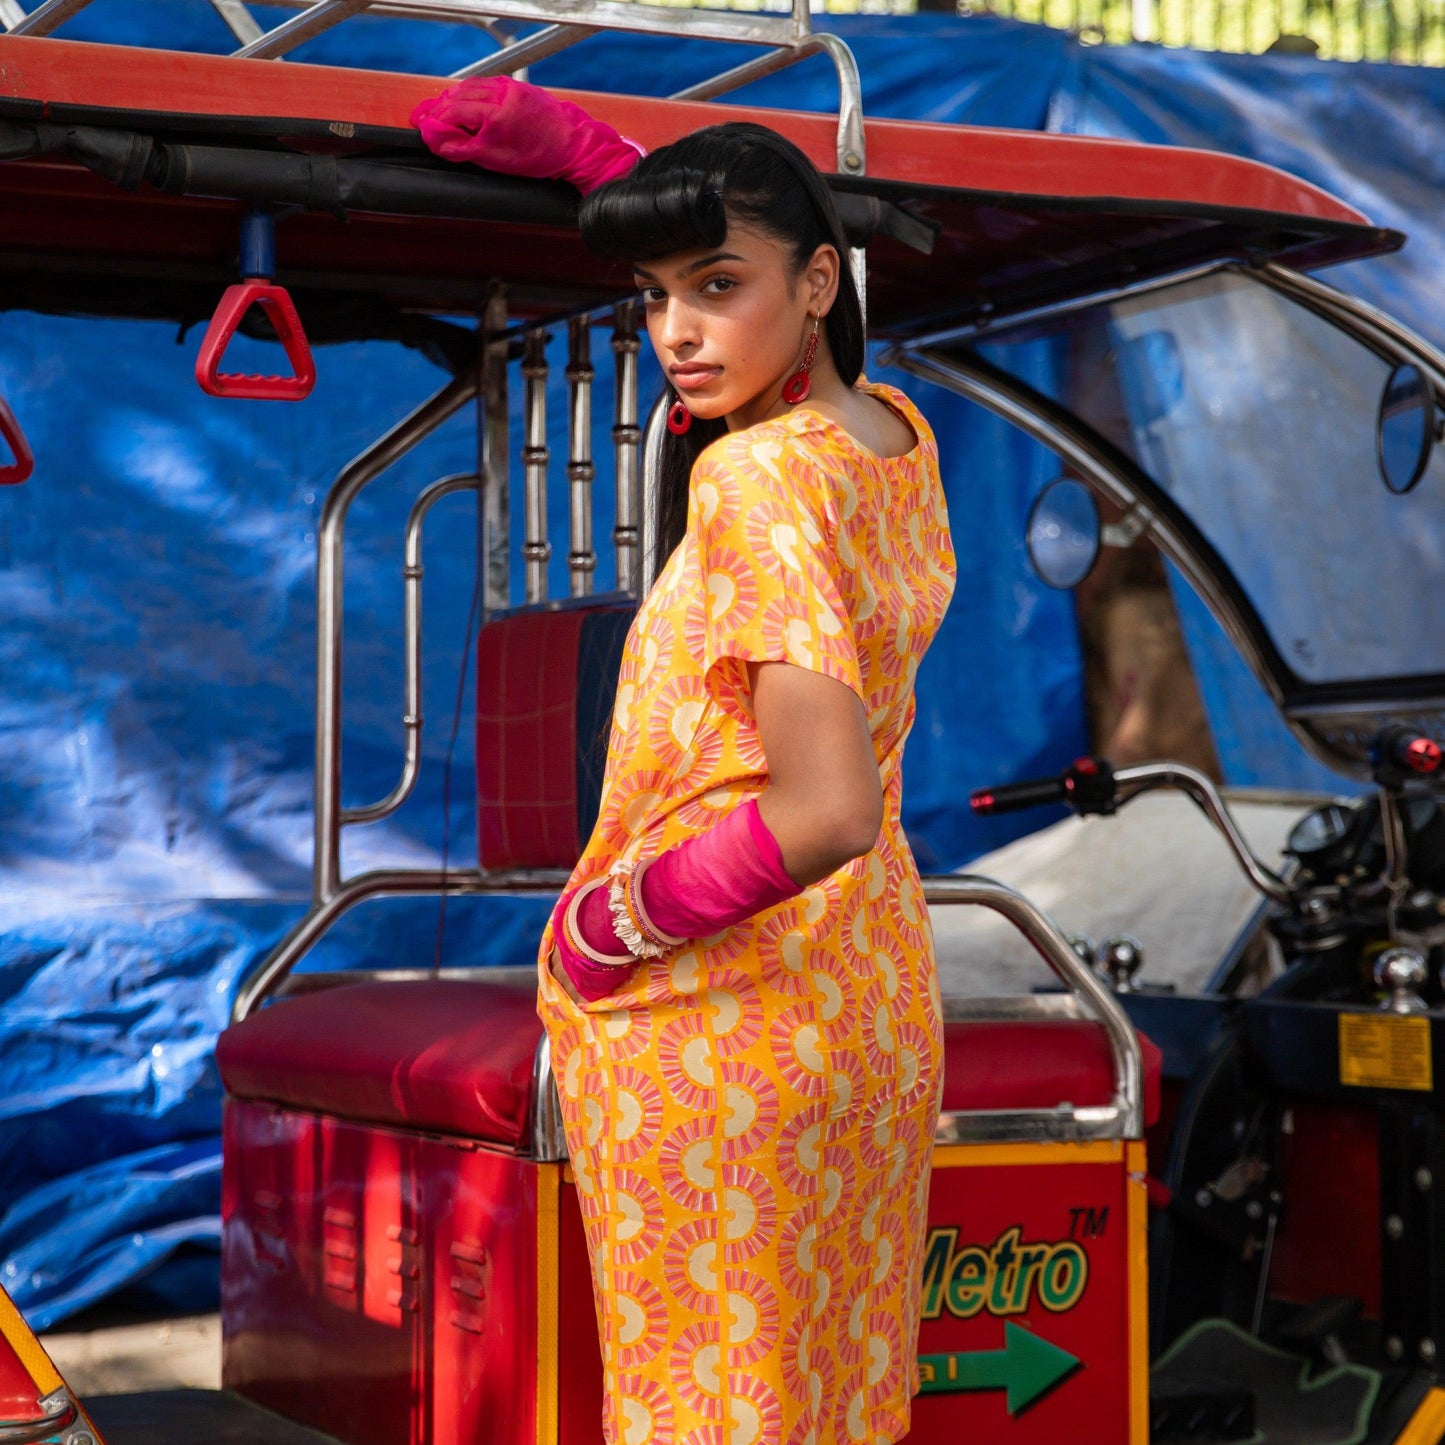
x,y
657,210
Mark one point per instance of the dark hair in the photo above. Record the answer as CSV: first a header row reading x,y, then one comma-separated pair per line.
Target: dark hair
x,y
680,198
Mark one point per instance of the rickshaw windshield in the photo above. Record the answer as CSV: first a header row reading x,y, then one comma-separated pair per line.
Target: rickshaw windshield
x,y
1257,418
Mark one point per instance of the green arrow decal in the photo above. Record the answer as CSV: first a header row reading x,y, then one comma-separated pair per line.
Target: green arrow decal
x,y
1028,1367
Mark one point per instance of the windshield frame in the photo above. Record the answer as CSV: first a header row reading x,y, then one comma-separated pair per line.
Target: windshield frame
x,y
1332,718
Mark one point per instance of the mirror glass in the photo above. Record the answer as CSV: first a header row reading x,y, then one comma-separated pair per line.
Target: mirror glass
x,y
1063,533
1405,428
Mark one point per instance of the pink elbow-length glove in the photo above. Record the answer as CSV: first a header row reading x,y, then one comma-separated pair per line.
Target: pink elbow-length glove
x,y
506,125
709,883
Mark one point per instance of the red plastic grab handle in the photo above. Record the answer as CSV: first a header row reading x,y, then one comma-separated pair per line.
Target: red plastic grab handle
x,y
276,302
24,462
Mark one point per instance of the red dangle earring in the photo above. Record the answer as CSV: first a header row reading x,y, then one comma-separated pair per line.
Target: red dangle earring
x,y
679,418
799,386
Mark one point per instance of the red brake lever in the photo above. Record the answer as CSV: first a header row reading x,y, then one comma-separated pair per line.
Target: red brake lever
x,y
276,302
24,463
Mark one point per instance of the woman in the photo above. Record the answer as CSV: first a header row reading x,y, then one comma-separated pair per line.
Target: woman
x,y
738,984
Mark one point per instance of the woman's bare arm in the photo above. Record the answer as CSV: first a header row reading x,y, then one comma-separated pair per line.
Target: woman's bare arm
x,y
825,802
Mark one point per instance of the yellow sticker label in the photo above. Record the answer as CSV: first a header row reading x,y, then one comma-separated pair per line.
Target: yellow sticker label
x,y
1385,1051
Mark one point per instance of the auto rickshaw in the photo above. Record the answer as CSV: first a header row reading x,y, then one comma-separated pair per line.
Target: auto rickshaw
x,y
1187,1209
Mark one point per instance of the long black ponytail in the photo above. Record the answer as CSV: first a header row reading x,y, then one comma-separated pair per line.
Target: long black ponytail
x,y
680,198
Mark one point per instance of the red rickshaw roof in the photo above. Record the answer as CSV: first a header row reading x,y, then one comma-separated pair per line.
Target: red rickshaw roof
x,y
1021,217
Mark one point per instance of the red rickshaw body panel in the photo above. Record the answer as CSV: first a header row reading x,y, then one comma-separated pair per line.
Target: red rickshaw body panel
x,y
379,1285
1048,1238
383,1281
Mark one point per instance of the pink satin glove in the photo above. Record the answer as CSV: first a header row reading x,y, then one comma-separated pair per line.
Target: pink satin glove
x,y
505,125
709,883
717,879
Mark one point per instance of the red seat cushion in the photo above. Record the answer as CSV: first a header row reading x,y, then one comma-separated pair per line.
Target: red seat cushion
x,y
437,1055
456,1058
1036,1064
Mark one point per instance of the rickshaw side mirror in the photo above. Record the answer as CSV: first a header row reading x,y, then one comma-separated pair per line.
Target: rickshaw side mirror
x,y
1405,428
1063,534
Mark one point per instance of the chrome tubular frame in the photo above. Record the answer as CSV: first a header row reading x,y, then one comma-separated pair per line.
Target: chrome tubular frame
x,y
741,27
46,17
627,446
1373,328
536,549
563,22
992,320
549,1143
520,53
1144,777
319,16
581,559
411,721
494,426
332,895
380,883
852,147
330,533
651,460
1082,449
1123,1116
239,20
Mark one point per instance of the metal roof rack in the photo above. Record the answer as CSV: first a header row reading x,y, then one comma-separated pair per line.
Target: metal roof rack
x,y
788,37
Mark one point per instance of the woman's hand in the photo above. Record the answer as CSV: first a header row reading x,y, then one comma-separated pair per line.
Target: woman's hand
x,y
825,801
559,977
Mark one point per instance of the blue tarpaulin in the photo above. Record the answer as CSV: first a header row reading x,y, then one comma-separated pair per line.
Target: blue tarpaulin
x,y
157,579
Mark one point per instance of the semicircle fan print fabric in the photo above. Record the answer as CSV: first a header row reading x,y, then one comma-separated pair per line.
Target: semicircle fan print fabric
x,y
750,1120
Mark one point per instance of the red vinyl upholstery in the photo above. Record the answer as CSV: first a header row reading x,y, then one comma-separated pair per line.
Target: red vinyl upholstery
x,y
1036,1064
450,1057
527,740
436,1055
546,683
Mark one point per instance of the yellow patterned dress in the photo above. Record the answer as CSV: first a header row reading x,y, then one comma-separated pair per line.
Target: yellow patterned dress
x,y
750,1120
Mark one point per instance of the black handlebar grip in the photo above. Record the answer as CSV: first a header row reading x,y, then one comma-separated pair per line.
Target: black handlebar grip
x,y
1010,797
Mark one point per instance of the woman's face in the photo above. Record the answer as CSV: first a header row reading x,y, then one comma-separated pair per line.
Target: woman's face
x,y
729,323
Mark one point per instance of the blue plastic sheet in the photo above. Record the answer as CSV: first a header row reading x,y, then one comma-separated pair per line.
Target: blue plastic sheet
x,y
156,579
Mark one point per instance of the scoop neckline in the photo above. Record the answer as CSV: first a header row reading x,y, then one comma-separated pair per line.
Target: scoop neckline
x,y
873,389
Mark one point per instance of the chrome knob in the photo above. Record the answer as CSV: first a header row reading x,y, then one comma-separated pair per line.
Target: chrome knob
x,y
1401,972
1085,947
1121,957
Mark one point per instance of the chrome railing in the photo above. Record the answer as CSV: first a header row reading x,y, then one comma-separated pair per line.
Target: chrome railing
x,y
506,23
486,387
1123,1116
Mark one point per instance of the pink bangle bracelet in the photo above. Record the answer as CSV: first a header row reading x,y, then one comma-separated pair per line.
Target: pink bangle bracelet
x,y
630,920
578,943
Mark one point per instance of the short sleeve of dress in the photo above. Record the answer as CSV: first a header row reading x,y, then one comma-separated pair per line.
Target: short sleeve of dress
x,y
773,580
